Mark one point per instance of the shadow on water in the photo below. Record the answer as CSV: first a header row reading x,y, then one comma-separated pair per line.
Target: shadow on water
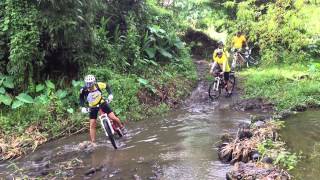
x,y
302,135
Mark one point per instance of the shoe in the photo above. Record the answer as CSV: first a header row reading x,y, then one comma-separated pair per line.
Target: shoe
x,y
228,94
124,130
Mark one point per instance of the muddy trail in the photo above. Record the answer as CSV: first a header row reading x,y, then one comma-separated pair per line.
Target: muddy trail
x,y
179,145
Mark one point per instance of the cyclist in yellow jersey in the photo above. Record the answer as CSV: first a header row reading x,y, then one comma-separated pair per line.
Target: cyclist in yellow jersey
x,y
238,42
220,65
220,46
92,94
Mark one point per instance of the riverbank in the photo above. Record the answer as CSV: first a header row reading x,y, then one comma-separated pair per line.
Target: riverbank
x,y
279,92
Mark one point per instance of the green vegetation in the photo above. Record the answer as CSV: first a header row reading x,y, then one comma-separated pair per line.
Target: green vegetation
x,y
273,148
287,86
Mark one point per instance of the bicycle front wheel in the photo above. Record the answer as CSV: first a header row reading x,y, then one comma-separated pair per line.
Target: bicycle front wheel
x,y
214,90
110,135
232,81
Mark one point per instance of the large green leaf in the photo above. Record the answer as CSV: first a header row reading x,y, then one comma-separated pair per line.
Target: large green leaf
x,y
143,81
61,94
17,104
76,83
165,53
179,44
2,90
43,99
40,87
5,99
50,85
25,98
70,110
1,79
8,83
151,52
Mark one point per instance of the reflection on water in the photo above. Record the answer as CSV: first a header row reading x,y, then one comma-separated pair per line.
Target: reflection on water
x,y
302,134
180,146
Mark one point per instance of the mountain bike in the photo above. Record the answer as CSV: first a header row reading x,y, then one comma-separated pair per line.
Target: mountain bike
x,y
110,128
240,58
218,85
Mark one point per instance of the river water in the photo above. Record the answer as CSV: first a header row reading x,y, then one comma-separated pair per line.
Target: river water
x,y
302,135
179,145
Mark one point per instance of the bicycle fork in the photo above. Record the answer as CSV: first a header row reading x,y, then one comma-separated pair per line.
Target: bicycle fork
x,y
216,85
106,119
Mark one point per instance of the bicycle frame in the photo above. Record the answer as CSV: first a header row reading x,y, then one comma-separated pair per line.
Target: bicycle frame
x,y
243,57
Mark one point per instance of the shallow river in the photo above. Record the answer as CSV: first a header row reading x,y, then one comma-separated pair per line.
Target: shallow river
x,y
179,145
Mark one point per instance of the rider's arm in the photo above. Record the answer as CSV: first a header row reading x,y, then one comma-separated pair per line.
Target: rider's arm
x,y
212,65
225,62
105,86
82,97
245,41
108,88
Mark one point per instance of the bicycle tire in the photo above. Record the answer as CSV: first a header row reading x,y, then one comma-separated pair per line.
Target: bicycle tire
x,y
252,61
232,80
119,132
214,94
110,135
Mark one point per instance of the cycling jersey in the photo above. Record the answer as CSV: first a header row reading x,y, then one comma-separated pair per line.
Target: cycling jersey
x,y
224,51
93,96
238,41
222,62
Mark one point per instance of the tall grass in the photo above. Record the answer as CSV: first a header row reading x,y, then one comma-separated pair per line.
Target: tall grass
x,y
287,86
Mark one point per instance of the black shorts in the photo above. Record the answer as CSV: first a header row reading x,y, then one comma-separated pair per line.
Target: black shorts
x,y
104,108
226,76
217,70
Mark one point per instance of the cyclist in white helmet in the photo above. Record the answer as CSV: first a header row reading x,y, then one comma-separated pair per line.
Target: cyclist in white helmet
x,y
92,94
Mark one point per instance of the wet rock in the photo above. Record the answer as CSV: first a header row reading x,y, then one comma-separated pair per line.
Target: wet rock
x,y
255,118
93,170
140,160
244,131
255,155
259,124
252,171
283,114
44,172
300,108
267,160
226,137
90,171
136,177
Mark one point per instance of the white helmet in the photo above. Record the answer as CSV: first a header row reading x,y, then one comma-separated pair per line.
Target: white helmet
x,y
90,80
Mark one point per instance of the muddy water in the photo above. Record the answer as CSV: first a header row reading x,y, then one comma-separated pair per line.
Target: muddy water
x,y
302,134
180,145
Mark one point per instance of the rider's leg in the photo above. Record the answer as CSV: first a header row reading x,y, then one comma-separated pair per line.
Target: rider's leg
x,y
107,109
115,119
93,123
226,79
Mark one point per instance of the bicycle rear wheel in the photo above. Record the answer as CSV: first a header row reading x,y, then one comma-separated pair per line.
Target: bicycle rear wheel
x,y
252,61
214,91
109,132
